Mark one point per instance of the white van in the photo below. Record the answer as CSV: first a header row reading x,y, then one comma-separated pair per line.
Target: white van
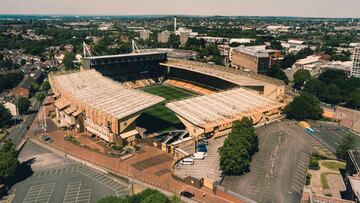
x,y
198,155
187,161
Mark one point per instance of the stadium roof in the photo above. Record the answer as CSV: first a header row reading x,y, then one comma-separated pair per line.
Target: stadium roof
x,y
217,108
122,55
103,94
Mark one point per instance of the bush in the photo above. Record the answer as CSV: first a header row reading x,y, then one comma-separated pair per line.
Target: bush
x,y
72,139
117,148
314,163
308,179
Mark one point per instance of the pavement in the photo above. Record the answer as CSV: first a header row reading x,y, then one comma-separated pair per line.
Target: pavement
x,y
278,170
55,178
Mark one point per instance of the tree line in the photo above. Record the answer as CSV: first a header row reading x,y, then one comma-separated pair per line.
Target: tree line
x,y
10,79
146,196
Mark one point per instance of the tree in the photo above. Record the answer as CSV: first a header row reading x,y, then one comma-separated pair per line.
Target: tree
x,y
68,60
274,44
331,76
304,107
46,86
314,87
22,62
5,116
10,79
348,143
354,100
40,96
278,73
146,196
23,104
238,148
8,161
300,77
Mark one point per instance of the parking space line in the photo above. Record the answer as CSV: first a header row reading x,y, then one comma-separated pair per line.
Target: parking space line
x,y
39,193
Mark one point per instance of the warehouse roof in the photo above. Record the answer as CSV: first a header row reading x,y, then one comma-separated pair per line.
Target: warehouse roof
x,y
223,107
103,94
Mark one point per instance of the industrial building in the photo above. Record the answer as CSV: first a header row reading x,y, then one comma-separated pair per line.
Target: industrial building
x,y
355,71
254,59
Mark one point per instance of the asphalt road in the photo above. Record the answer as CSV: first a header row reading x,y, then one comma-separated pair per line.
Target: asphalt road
x,y
17,132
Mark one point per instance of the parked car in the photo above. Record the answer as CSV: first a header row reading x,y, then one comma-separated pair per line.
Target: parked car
x,y
201,147
187,194
187,161
198,156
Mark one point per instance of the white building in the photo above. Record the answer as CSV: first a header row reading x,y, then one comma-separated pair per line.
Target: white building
x,y
144,34
309,63
189,32
294,46
12,108
355,71
242,40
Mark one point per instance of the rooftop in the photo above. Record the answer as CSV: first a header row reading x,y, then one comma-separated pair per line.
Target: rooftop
x,y
101,93
221,107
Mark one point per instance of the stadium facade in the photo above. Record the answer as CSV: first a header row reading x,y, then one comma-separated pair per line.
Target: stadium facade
x,y
103,98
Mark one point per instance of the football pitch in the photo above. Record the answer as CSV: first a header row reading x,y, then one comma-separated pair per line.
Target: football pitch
x,y
159,118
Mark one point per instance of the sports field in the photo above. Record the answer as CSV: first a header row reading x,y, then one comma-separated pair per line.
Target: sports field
x,y
159,118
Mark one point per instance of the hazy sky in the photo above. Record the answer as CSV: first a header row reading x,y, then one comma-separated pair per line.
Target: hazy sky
x,y
313,8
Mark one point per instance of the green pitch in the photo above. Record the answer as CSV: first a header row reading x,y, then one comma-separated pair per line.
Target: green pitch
x,y
159,118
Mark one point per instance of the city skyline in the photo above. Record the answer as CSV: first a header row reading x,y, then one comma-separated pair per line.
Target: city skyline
x,y
304,8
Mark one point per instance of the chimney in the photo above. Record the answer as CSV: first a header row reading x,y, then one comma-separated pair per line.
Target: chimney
x,y
174,24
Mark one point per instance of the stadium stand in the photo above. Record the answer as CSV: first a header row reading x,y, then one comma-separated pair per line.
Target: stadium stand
x,y
270,87
189,86
88,100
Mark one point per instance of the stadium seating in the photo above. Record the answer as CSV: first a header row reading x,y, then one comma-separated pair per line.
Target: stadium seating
x,y
198,78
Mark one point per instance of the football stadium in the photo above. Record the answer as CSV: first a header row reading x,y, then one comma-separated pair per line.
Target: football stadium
x,y
121,97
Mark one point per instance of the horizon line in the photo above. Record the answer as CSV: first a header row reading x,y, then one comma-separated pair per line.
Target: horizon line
x,y
179,15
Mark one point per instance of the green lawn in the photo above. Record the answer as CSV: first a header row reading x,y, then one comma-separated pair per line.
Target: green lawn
x,y
324,181
168,92
335,166
159,118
